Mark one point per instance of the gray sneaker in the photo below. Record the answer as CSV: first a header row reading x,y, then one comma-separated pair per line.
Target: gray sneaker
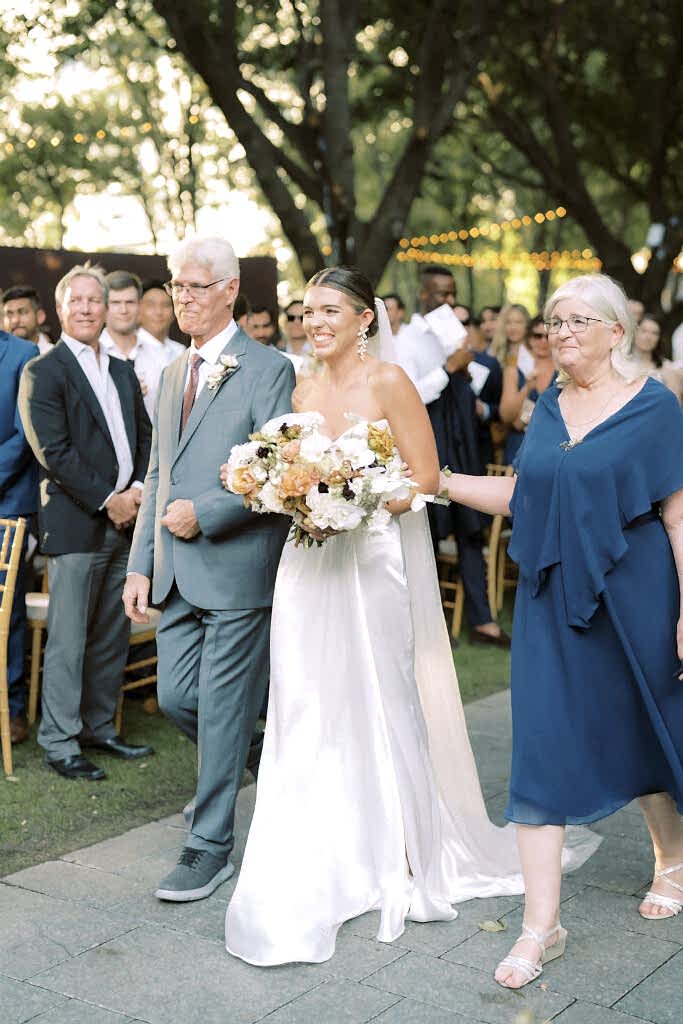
x,y
194,877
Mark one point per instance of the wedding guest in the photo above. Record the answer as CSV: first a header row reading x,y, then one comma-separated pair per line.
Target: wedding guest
x,y
295,344
489,318
520,391
647,355
677,346
262,326
396,311
445,390
636,308
293,334
426,356
510,333
597,676
122,338
85,420
241,311
488,399
155,312
18,497
23,316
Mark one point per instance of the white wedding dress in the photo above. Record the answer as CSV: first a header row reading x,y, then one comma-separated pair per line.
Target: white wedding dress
x,y
368,796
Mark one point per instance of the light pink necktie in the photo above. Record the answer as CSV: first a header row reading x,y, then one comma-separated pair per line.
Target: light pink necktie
x,y
190,390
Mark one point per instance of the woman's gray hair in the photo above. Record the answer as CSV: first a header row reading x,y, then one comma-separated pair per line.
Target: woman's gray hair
x,y
608,300
82,270
214,253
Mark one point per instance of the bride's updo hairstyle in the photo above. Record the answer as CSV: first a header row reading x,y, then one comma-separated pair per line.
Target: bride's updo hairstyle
x,y
354,284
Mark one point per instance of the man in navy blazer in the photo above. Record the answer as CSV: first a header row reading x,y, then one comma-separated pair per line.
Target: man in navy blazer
x,y
18,497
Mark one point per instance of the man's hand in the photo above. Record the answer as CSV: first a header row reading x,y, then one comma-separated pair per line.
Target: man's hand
x,y
123,508
459,360
180,519
135,597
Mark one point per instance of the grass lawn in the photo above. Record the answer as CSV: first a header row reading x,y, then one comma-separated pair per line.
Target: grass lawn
x,y
43,816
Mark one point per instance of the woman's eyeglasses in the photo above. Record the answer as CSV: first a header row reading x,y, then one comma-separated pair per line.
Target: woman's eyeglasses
x,y
291,317
576,324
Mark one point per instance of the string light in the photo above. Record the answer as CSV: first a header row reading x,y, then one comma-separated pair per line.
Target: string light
x,y
492,230
491,259
123,131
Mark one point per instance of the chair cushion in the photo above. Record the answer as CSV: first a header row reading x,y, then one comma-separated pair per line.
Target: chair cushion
x,y
36,606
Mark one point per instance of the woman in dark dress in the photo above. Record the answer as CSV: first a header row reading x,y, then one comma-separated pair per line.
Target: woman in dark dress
x,y
597,681
520,393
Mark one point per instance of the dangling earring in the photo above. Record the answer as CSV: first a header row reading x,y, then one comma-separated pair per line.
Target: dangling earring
x,y
362,342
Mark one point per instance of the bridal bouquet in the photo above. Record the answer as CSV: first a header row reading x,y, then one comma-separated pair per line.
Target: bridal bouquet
x,y
326,486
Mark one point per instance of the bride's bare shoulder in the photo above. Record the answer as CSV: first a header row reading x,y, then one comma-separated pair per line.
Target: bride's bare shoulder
x,y
302,394
387,375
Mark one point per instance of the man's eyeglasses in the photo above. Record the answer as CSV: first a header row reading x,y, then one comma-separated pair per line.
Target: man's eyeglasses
x,y
576,324
291,317
195,291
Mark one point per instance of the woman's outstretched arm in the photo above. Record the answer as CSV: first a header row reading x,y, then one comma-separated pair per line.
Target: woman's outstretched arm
x,y
491,494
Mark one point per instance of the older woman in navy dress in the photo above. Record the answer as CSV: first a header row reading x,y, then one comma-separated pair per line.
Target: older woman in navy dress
x,y
597,694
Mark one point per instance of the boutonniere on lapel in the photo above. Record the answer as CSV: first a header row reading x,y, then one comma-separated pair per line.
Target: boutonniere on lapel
x,y
229,364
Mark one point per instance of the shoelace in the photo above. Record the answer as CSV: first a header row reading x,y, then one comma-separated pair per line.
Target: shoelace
x,y
189,857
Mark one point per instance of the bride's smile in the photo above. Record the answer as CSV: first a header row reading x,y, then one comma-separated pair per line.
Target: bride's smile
x,y
331,322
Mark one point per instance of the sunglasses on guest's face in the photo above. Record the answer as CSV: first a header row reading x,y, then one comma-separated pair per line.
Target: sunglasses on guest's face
x,y
538,334
291,317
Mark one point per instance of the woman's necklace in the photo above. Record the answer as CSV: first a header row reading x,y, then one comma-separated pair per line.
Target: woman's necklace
x,y
573,441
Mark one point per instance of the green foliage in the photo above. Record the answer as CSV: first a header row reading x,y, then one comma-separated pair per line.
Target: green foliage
x,y
360,123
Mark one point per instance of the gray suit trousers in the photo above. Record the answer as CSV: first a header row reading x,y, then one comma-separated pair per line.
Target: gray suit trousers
x,y
87,646
212,677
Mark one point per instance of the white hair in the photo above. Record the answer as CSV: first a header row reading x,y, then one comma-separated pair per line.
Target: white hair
x,y
214,253
608,299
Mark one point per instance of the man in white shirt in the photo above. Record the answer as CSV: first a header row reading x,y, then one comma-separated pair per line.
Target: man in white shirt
x,y
122,338
426,356
85,421
23,315
155,312
438,372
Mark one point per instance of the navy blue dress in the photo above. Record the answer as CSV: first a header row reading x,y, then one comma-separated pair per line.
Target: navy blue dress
x,y
597,712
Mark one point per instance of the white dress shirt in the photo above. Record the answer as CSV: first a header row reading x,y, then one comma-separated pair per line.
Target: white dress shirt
x,y
97,372
677,345
414,353
210,352
149,356
44,343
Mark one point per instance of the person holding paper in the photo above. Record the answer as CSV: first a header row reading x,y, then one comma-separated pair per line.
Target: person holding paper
x,y
432,345
433,352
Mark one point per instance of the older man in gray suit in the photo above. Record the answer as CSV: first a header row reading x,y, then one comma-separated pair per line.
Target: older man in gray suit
x,y
212,562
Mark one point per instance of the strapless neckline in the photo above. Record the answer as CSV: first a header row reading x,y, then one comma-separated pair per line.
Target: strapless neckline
x,y
353,426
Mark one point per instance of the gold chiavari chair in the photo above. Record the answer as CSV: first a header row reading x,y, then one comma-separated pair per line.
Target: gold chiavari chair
x,y
12,534
497,578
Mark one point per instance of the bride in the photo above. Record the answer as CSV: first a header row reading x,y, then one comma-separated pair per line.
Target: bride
x,y
368,796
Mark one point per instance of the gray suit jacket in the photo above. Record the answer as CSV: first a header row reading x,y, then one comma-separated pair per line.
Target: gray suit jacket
x,y
233,561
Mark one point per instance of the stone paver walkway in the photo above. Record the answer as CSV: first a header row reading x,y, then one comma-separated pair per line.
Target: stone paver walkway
x,y
83,941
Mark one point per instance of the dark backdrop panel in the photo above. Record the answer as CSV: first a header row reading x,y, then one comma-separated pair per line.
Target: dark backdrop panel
x,y
42,269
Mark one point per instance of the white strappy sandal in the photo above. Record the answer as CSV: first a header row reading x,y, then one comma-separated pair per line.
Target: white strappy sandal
x,y
530,969
668,902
